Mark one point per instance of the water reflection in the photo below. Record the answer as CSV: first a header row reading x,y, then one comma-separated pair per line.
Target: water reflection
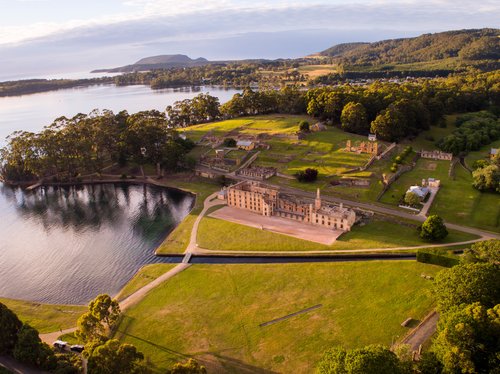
x,y
65,245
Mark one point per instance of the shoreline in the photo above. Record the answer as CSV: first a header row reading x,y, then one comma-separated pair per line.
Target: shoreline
x,y
112,180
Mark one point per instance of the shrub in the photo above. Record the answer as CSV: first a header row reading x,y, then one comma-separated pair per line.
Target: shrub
x,y
308,175
229,142
304,126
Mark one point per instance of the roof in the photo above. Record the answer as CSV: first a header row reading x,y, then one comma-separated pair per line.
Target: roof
x,y
244,143
419,191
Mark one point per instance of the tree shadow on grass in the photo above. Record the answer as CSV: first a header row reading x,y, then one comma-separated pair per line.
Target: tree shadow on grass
x,y
413,323
157,346
240,367
220,360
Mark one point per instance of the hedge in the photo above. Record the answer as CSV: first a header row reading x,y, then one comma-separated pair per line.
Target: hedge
x,y
429,257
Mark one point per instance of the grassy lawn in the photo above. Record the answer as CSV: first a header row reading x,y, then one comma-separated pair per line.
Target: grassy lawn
x,y
145,275
271,124
313,71
45,317
376,234
425,168
482,154
461,203
457,201
178,239
213,313
321,150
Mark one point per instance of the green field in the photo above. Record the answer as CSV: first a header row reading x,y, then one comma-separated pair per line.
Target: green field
x,y
376,234
145,275
45,317
270,124
213,312
457,201
482,154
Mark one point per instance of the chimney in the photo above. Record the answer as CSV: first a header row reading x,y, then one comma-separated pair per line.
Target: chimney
x,y
317,201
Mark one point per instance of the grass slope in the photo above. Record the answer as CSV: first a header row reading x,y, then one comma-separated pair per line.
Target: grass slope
x,y
376,234
144,276
213,312
45,317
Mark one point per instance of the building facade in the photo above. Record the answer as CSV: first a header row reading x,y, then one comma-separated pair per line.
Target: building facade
x,y
257,172
268,201
436,155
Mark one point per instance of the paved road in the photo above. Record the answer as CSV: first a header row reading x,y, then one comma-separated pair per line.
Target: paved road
x,y
12,365
422,332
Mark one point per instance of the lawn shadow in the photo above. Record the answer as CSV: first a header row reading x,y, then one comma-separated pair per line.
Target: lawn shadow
x,y
124,332
241,367
413,323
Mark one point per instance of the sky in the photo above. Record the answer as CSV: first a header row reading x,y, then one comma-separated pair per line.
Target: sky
x,y
43,37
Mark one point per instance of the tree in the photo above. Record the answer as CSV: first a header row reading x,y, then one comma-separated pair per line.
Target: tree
x,y
102,315
9,328
308,175
479,164
304,126
31,350
389,125
229,142
467,284
412,199
484,251
433,229
354,118
371,359
429,364
467,339
189,367
115,358
105,309
487,178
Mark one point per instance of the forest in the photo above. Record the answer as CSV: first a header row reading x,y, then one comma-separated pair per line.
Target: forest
x,y
393,111
70,147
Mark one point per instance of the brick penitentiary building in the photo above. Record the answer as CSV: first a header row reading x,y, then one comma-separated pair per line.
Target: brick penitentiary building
x,y
268,201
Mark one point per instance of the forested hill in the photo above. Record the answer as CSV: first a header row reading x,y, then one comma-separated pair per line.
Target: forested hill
x,y
470,45
158,62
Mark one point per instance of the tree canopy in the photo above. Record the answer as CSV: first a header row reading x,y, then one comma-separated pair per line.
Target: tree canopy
x,y
433,229
467,284
467,339
371,359
113,357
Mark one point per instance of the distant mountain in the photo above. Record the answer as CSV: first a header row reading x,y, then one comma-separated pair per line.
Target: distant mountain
x,y
469,45
157,62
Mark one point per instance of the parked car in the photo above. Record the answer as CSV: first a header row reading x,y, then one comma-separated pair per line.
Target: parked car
x,y
77,348
60,344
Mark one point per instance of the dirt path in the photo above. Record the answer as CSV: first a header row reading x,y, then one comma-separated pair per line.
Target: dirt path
x,y
51,337
420,334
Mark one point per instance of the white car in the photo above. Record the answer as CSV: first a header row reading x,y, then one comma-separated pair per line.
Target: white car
x,y
62,345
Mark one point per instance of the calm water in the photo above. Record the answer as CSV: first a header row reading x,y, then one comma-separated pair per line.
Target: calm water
x,y
33,112
66,245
